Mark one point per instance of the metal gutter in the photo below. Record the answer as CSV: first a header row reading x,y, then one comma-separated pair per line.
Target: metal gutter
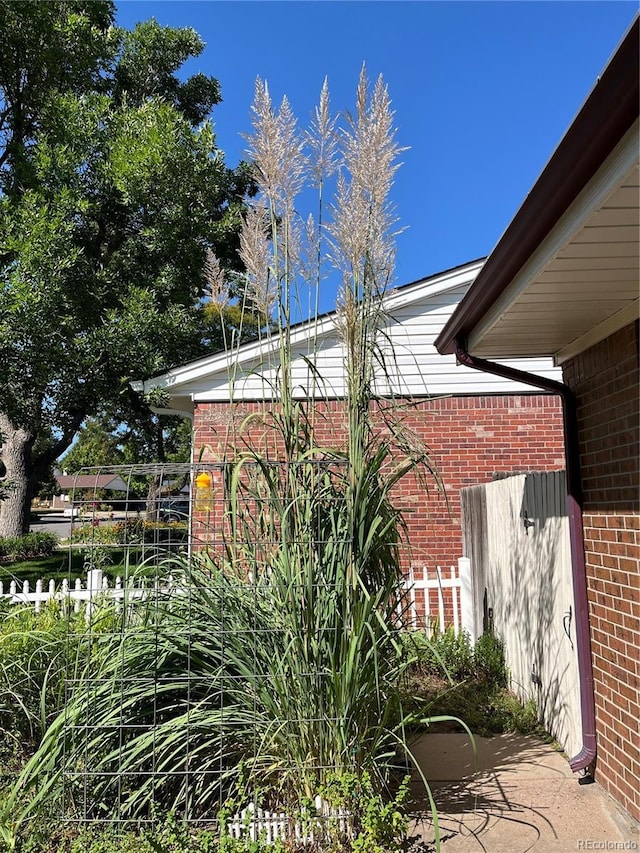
x,y
586,758
609,111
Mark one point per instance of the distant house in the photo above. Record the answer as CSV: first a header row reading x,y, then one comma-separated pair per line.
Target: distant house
x,y
477,427
80,488
563,283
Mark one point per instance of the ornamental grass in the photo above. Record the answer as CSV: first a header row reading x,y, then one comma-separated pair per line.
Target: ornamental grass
x,y
274,667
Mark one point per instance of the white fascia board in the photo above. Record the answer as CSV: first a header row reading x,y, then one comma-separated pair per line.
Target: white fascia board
x,y
432,286
223,362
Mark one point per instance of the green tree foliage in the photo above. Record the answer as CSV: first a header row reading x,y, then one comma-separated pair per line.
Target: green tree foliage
x,y
95,446
104,442
112,192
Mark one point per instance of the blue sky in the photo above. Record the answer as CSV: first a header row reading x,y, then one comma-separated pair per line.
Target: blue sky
x,y
482,91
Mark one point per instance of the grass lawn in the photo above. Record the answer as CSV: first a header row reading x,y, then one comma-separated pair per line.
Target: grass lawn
x,y
67,563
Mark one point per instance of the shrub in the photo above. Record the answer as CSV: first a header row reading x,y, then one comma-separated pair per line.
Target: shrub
x,y
452,655
38,653
510,715
381,823
447,654
133,531
100,534
476,691
488,656
29,546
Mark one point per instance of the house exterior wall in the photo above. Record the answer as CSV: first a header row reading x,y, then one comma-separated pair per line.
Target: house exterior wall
x,y
409,364
471,439
606,381
413,366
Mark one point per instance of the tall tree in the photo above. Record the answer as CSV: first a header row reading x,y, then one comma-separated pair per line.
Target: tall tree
x,y
95,445
106,441
112,194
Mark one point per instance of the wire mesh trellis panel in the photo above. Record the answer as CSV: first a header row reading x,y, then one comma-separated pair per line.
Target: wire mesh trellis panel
x,y
250,661
132,523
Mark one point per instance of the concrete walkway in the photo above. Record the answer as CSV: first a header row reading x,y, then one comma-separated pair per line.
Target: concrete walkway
x,y
519,796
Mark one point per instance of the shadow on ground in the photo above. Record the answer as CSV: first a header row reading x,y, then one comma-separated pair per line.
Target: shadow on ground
x,y
515,794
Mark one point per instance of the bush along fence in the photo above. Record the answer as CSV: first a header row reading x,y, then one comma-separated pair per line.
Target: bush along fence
x,y
433,600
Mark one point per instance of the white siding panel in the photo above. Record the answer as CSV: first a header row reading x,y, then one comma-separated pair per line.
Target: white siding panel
x,y
413,365
627,250
416,374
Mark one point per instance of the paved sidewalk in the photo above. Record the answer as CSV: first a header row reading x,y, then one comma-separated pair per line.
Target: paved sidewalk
x,y
520,797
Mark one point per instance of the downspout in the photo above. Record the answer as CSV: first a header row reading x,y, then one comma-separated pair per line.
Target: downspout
x,y
586,758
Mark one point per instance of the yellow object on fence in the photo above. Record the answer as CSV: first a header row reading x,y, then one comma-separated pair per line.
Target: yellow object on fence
x,y
204,491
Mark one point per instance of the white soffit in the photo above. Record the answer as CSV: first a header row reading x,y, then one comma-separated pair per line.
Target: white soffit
x,y
582,283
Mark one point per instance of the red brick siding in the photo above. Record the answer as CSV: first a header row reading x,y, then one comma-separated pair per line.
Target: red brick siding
x,y
470,439
606,381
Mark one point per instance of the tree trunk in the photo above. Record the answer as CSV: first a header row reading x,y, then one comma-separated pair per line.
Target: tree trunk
x,y
155,486
16,483
153,494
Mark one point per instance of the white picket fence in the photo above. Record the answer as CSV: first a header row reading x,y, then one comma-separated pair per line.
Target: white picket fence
x,y
256,823
425,600
79,595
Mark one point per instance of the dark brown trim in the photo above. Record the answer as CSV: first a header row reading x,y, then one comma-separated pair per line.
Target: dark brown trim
x,y
609,111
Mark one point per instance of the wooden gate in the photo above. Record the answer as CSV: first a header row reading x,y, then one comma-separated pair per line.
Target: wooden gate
x,y
516,533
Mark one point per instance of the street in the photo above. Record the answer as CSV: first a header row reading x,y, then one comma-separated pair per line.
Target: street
x,y
53,522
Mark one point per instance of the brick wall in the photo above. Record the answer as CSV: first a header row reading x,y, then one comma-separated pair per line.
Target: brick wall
x,y
606,381
471,439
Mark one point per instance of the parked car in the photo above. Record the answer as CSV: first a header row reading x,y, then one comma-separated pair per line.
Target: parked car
x,y
173,509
